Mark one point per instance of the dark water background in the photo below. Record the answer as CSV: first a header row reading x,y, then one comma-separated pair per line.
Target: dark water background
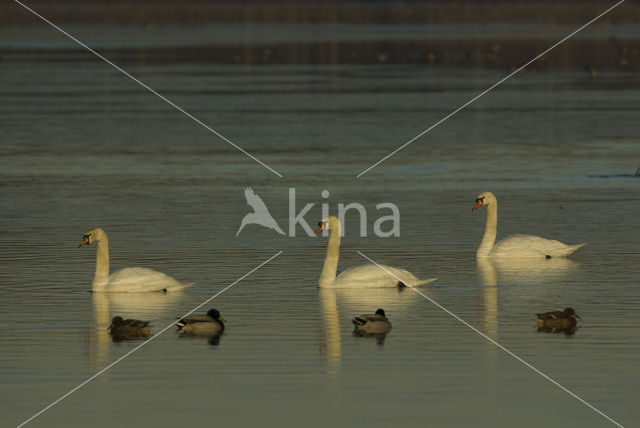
x,y
83,146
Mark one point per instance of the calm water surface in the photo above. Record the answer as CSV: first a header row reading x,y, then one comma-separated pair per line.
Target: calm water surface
x,y
83,147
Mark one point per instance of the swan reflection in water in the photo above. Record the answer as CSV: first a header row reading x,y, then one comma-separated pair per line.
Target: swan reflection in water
x,y
333,346
145,306
488,300
353,302
531,271
521,271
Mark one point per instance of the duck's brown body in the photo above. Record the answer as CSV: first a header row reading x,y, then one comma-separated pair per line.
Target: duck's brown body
x,y
371,324
129,329
566,319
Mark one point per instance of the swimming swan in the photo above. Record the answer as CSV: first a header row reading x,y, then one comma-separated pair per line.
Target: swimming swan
x,y
366,276
515,245
130,280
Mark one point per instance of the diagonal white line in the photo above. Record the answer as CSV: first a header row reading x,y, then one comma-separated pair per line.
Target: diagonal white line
x,y
494,342
162,97
148,340
489,89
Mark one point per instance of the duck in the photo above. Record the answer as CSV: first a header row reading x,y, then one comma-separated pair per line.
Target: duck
x,y
371,324
566,319
210,324
129,328
365,276
515,245
133,279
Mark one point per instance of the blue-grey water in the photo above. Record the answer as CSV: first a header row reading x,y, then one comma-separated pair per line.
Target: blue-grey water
x,y
82,146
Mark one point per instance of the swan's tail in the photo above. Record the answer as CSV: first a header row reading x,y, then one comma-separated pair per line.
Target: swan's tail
x,y
424,282
571,249
179,287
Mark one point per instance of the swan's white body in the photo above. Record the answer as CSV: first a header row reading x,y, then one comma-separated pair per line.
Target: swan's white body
x,y
128,280
515,245
366,276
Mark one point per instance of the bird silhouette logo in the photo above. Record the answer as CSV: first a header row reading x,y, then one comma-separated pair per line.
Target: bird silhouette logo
x,y
260,214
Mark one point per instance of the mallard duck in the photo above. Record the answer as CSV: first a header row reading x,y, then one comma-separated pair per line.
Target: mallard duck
x,y
210,324
129,328
558,319
372,324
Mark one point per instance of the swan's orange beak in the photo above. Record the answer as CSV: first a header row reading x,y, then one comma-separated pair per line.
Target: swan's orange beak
x,y
85,241
320,228
477,205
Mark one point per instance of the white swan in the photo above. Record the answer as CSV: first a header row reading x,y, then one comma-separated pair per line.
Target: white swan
x,y
366,276
134,279
515,245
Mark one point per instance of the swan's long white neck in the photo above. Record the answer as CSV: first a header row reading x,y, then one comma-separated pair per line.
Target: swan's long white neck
x,y
101,277
330,268
490,230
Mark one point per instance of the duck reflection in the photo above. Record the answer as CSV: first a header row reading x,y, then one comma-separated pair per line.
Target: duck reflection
x,y
570,331
213,340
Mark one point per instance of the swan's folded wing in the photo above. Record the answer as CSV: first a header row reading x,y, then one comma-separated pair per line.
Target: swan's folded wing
x,y
138,279
532,246
371,275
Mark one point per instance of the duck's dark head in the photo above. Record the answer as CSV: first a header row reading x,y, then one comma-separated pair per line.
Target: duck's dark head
x,y
380,311
215,314
116,321
571,313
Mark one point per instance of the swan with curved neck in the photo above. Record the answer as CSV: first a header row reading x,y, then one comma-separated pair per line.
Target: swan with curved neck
x,y
134,279
366,276
515,245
